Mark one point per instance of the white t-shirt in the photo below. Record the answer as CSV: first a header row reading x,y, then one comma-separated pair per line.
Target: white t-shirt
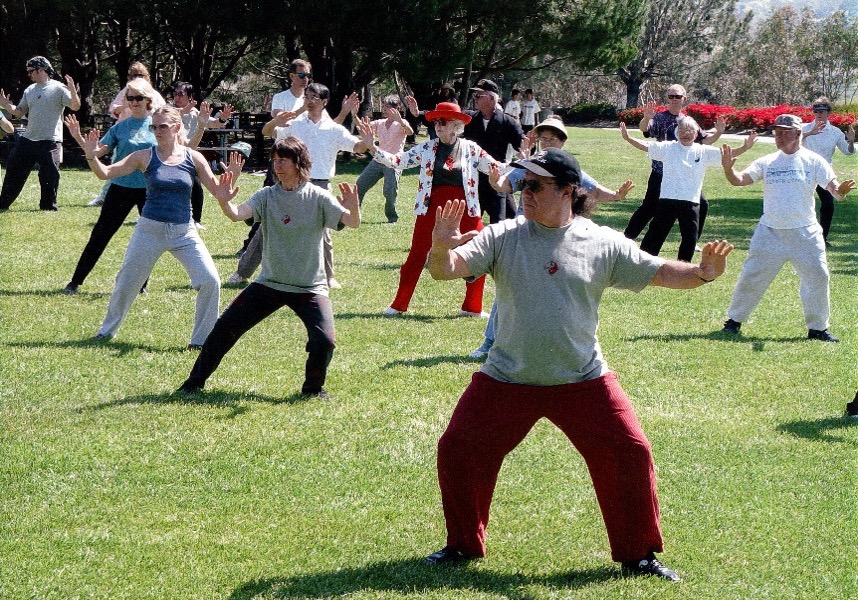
x,y
789,181
323,139
683,168
529,108
286,101
513,108
824,142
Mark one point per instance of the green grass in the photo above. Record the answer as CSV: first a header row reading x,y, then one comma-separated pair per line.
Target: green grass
x,y
110,487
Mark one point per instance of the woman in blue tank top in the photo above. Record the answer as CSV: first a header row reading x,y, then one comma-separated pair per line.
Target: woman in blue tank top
x,y
165,224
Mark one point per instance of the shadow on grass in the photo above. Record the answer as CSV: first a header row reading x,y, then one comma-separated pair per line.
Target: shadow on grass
x,y
120,348
213,398
391,318
431,362
758,343
409,576
54,292
821,429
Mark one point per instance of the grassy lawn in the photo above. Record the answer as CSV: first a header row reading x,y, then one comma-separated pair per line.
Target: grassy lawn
x,y
111,487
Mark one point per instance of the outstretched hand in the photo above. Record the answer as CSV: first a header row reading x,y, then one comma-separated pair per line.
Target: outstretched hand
x,y
446,234
72,124
847,186
223,189
365,132
236,164
713,259
727,159
624,189
624,131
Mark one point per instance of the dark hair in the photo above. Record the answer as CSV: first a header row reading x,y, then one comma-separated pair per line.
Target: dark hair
x,y
184,85
295,150
299,62
514,92
582,203
528,91
320,90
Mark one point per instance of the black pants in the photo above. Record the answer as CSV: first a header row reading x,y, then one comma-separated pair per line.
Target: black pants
x,y
24,156
669,211
649,207
251,306
197,200
826,210
117,205
497,205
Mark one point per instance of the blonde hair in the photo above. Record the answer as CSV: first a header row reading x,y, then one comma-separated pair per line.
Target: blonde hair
x,y
143,88
172,114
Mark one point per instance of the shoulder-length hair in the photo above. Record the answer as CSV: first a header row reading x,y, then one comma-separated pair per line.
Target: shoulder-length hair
x,y
296,151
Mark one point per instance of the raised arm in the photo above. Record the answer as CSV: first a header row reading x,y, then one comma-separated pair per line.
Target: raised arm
x,y
6,104
6,124
74,129
747,145
349,199
443,262
728,163
269,129
499,183
633,141
679,275
350,104
648,114
74,103
840,190
602,194
136,161
221,188
720,127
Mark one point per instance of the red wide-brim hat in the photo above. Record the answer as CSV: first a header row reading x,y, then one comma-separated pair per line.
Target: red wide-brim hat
x,y
447,110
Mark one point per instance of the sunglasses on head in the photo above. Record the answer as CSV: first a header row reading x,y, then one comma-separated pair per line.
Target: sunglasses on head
x,y
135,98
162,127
675,96
304,75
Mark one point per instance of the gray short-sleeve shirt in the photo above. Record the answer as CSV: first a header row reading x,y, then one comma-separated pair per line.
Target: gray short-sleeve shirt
x,y
549,285
292,224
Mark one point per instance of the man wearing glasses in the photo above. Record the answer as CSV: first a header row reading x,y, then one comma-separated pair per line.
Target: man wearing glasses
x,y
43,102
822,137
291,99
662,127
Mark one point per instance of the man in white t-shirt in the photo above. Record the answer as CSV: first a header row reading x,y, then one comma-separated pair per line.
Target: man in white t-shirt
x,y
823,138
513,105
291,99
529,111
551,267
788,230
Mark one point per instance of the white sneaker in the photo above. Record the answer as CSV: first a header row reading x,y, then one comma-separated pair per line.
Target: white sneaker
x,y
391,312
481,315
97,201
199,226
334,284
236,278
481,352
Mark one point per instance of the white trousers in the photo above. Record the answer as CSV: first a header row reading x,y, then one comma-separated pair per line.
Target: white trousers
x,y
148,242
770,248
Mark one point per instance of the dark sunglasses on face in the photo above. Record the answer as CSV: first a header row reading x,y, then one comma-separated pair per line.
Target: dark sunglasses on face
x,y
304,75
820,110
675,96
135,98
534,186
442,122
162,127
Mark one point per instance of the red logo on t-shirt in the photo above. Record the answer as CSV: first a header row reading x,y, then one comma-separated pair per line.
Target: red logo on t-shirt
x,y
551,267
287,219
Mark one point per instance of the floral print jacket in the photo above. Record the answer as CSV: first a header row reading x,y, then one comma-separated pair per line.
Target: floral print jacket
x,y
471,156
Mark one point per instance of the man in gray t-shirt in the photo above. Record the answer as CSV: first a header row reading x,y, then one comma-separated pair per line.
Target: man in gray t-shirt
x,y
43,103
551,267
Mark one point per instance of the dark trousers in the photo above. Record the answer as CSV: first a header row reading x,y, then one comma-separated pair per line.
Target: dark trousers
x,y
117,205
497,205
649,207
493,417
670,211
251,306
24,156
197,200
826,210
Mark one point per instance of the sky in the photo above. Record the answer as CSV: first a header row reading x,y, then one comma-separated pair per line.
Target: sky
x,y
822,8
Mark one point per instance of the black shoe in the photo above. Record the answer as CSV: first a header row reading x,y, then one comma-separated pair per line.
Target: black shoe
x,y
102,337
195,346
70,289
649,566
823,335
731,326
827,244
447,556
852,407
322,394
189,387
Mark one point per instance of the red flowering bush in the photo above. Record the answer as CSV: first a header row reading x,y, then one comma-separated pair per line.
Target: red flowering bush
x,y
758,119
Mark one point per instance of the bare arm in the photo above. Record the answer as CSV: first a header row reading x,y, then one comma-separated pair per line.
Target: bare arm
x,y
603,194
136,161
348,198
720,126
350,104
443,262
74,104
6,125
728,163
6,104
74,129
749,142
499,182
634,142
648,114
280,120
679,275
221,188
840,190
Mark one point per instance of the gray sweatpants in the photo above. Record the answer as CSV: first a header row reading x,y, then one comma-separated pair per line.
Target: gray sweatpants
x,y
770,248
148,242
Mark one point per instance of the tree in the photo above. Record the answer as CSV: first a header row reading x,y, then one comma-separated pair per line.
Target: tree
x,y
677,38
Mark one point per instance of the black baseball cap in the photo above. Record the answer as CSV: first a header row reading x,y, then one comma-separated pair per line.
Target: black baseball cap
x,y
552,162
486,85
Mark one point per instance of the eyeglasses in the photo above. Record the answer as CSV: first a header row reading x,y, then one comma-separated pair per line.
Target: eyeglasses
x,y
534,186
478,96
180,93
442,122
135,75
547,139
304,75
161,127
675,96
820,110
135,98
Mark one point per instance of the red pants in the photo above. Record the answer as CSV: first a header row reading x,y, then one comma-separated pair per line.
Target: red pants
x,y
492,418
421,243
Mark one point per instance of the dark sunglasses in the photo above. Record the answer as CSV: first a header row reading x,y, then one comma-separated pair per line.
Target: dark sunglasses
x,y
304,75
534,186
135,98
442,122
162,127
675,96
821,110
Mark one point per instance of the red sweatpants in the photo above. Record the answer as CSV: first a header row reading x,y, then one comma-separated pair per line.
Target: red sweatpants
x,y
492,418
421,243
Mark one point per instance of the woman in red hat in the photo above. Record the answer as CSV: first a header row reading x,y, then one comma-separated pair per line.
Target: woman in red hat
x,y
448,171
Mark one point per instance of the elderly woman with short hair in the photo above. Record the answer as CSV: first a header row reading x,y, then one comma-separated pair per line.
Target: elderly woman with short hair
x,y
448,171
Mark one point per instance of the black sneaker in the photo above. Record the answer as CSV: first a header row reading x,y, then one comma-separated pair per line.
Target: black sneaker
x,y
70,289
447,556
189,387
322,394
649,566
195,346
731,326
823,335
852,407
